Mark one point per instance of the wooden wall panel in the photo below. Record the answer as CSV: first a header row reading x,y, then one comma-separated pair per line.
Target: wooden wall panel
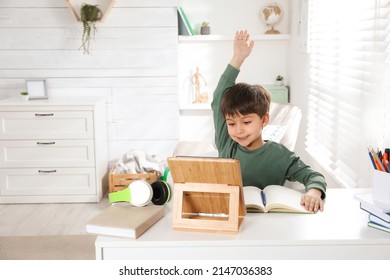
x,y
133,65
126,38
59,59
61,3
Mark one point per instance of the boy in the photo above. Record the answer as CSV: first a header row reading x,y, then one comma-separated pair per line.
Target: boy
x,y
240,112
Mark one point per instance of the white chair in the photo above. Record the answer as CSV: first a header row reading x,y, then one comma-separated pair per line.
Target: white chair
x,y
289,116
282,116
195,148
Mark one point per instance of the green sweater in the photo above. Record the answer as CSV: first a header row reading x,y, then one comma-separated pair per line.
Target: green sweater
x,y
272,163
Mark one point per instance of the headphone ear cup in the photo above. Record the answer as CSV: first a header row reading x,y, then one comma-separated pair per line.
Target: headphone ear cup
x,y
161,192
140,192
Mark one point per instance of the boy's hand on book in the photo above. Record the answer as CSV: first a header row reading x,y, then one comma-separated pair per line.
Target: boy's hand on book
x,y
312,200
242,47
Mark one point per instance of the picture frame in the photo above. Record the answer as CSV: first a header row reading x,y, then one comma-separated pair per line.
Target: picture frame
x,y
36,89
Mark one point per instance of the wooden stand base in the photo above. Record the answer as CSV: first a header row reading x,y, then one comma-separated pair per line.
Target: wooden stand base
x,y
204,207
201,200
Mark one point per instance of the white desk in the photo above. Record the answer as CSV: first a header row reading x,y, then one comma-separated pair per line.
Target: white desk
x,y
340,232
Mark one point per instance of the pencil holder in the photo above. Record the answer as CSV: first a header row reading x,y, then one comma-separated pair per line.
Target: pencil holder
x,y
381,189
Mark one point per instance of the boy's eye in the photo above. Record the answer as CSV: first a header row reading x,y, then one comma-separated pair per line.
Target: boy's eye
x,y
247,122
230,124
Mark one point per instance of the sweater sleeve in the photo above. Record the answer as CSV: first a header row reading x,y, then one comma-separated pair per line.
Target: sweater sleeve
x,y
227,80
310,178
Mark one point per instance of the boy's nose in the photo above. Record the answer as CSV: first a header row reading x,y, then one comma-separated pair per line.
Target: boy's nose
x,y
239,128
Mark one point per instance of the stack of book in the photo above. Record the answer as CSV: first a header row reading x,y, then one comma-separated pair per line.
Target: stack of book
x,y
378,217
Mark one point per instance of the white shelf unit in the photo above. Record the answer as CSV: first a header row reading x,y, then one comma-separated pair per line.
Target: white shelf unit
x,y
210,53
192,41
52,151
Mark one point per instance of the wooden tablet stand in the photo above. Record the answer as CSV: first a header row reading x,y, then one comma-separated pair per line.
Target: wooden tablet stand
x,y
207,194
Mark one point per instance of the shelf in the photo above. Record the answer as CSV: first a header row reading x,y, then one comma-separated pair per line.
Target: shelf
x,y
279,94
190,106
208,38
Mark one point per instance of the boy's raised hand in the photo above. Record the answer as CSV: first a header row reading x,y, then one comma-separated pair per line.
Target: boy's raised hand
x,y
242,48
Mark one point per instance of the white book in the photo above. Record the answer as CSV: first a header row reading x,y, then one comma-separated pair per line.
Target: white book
x,y
367,204
125,220
377,226
379,221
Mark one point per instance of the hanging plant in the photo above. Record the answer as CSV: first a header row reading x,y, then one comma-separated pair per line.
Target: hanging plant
x,y
90,14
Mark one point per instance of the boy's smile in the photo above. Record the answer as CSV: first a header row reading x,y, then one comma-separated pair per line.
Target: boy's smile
x,y
246,129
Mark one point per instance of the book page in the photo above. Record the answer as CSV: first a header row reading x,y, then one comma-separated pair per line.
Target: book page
x,y
283,199
252,198
273,132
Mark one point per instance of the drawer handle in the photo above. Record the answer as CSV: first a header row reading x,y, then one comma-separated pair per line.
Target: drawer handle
x,y
47,171
44,115
46,143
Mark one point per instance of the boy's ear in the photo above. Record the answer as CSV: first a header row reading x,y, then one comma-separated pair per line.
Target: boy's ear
x,y
265,119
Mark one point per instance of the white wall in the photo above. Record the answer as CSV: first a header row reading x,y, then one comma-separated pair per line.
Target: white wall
x,y
133,64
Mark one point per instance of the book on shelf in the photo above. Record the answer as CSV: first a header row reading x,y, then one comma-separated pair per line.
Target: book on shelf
x,y
184,24
378,226
125,220
273,198
367,204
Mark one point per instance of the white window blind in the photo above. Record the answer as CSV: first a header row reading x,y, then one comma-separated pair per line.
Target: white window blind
x,y
349,94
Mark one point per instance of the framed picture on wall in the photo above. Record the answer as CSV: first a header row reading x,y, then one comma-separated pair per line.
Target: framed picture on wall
x,y
36,89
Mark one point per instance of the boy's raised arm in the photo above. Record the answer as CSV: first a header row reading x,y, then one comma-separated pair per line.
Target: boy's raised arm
x,y
242,47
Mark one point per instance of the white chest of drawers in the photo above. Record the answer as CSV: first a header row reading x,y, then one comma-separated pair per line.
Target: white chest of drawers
x,y
52,150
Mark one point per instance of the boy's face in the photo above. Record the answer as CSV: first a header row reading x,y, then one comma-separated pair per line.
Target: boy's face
x,y
246,129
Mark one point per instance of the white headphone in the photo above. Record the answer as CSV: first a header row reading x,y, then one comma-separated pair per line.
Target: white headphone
x,y
140,193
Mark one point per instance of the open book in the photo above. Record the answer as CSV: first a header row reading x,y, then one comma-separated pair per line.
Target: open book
x,y
273,198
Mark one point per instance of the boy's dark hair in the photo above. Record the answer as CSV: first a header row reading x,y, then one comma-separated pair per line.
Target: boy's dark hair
x,y
245,99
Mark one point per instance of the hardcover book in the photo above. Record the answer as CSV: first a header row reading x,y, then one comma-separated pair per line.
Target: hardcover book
x,y
184,24
379,221
377,226
125,220
367,204
273,198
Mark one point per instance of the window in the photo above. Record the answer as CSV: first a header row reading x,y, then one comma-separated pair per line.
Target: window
x,y
349,94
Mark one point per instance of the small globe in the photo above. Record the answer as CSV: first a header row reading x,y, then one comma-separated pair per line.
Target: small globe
x,y
272,15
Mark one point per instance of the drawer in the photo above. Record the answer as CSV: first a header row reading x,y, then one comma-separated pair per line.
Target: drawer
x,y
43,153
46,125
47,181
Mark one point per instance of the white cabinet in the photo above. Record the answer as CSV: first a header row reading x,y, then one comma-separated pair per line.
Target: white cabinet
x,y
52,150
